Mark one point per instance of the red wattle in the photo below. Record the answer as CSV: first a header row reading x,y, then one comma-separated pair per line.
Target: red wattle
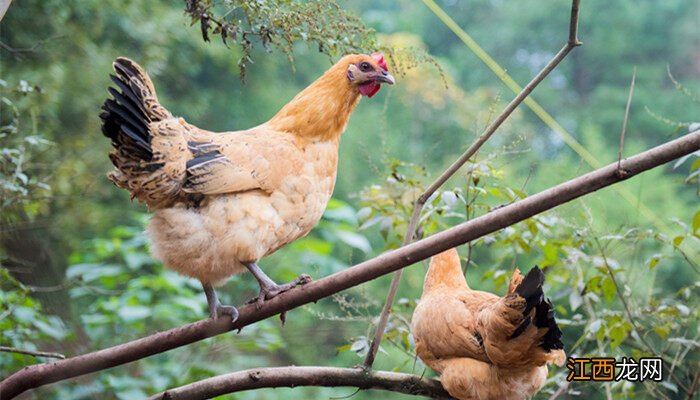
x,y
369,89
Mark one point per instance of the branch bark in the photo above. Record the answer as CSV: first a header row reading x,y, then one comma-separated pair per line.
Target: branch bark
x,y
305,376
571,43
41,374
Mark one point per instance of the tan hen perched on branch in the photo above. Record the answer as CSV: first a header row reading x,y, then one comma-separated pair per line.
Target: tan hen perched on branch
x,y
483,346
223,201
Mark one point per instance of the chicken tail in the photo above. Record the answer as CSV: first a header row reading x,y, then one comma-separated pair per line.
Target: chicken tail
x,y
520,329
149,149
530,288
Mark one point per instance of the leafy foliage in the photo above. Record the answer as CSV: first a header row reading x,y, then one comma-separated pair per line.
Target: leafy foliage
x,y
21,179
281,23
24,325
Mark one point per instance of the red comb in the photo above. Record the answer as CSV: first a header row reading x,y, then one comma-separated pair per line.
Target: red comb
x,y
379,58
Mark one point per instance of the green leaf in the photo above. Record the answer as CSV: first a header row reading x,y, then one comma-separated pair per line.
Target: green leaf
x,y
134,313
654,261
343,348
593,284
355,240
608,287
670,386
575,299
313,245
678,240
617,334
137,260
338,210
696,222
662,330
550,253
595,326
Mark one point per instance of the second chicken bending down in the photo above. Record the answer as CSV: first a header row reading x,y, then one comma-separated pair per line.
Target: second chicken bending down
x,y
223,201
485,347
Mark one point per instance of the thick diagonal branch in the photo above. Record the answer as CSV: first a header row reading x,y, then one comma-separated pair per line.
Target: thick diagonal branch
x,y
42,374
571,43
305,376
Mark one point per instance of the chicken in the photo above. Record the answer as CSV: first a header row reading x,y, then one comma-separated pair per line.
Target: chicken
x,y
222,201
485,346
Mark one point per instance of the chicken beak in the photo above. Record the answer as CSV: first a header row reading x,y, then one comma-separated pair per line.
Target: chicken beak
x,y
385,77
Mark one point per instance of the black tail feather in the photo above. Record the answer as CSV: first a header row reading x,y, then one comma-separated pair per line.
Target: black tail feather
x,y
544,317
127,91
531,290
124,119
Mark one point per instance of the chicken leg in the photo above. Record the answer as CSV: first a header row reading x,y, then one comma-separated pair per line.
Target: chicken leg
x,y
268,287
216,309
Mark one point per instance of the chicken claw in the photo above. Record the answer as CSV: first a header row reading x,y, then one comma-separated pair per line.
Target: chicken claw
x,y
270,289
216,309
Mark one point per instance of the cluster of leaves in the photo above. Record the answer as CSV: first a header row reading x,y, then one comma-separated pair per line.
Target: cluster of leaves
x,y
24,325
21,182
281,23
391,205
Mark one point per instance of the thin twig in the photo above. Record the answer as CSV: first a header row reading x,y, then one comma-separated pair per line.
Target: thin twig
x,y
572,42
624,121
41,374
694,385
17,52
7,349
306,376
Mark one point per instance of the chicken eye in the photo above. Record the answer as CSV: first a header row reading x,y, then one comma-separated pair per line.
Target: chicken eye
x,y
364,67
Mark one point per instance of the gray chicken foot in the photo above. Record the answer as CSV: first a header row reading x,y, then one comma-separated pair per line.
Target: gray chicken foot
x,y
268,287
216,309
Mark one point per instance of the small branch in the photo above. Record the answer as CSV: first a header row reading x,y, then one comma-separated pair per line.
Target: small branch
x,y
624,121
449,172
694,385
305,376
18,52
573,25
41,374
7,349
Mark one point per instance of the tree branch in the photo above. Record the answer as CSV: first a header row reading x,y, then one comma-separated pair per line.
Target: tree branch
x,y
571,43
7,349
305,376
41,374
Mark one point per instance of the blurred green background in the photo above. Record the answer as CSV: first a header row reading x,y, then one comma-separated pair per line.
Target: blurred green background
x,y
77,275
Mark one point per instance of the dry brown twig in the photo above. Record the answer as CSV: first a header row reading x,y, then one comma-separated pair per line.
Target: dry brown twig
x,y
305,376
571,43
48,354
624,121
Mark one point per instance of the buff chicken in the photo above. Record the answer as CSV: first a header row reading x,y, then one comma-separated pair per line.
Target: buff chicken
x,y
222,201
485,347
